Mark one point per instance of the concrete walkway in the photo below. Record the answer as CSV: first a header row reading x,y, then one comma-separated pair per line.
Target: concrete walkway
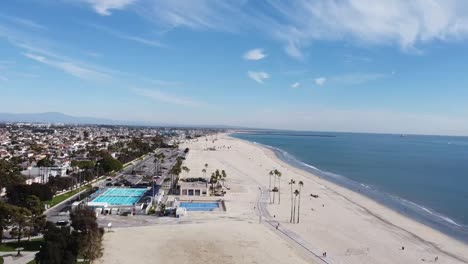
x,y
265,217
10,257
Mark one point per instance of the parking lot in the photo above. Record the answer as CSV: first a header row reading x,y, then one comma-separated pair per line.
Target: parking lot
x,y
140,174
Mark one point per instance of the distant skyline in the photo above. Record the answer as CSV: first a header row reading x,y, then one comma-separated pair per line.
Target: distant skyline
x,y
359,66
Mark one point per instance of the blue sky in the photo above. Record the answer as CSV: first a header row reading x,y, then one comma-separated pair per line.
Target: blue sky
x,y
372,66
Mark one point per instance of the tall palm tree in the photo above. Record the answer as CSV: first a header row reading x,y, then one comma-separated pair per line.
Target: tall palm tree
x,y
269,184
301,184
223,176
279,174
291,182
296,193
204,172
274,190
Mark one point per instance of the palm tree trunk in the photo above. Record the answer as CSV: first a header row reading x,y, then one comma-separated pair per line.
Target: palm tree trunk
x,y
269,182
279,190
299,204
274,194
292,205
298,208
294,215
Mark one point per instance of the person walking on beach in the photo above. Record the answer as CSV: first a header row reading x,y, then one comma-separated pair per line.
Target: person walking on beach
x,y
277,226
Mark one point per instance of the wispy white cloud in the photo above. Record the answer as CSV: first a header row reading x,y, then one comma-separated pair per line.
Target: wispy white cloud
x,y
69,67
258,76
198,15
254,54
103,7
299,23
160,96
125,36
405,23
295,85
23,22
356,78
320,81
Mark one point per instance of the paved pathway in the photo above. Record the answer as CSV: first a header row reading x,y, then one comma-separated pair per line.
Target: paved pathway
x,y
265,217
10,257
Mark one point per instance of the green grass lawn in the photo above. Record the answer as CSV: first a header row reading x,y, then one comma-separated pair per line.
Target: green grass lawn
x,y
62,197
32,245
32,262
1,260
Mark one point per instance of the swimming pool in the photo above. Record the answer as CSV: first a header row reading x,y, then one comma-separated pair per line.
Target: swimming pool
x,y
120,196
200,206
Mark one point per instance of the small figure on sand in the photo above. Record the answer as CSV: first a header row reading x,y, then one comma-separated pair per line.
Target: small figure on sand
x,y
324,254
436,259
402,248
277,226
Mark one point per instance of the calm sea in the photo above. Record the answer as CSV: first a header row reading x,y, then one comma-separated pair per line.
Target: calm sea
x,y
424,177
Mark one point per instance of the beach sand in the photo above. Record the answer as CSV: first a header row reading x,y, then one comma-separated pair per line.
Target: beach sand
x,y
350,227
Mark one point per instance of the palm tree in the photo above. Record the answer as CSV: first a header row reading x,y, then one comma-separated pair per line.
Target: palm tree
x,y
279,174
223,176
212,181
291,182
299,204
296,193
269,185
204,172
274,190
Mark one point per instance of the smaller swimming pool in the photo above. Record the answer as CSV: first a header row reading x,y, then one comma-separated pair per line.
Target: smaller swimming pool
x,y
200,206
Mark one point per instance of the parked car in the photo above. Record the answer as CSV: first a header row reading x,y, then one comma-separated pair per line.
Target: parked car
x,y
62,223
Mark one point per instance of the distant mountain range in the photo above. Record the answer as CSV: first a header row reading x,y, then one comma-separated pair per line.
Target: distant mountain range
x,y
57,117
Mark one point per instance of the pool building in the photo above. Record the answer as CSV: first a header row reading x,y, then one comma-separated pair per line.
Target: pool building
x,y
193,188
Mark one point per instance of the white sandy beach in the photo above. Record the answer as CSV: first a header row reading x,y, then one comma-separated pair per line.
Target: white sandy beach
x,y
350,227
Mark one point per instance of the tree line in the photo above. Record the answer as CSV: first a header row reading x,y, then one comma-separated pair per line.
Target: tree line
x,y
63,245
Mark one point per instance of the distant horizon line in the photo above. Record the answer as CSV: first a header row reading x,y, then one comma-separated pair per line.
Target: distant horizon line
x,y
162,125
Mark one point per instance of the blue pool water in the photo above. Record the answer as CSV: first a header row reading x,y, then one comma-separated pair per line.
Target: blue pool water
x,y
193,206
120,196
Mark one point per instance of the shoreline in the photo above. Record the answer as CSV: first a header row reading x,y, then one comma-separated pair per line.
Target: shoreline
x,y
404,207
362,201
349,227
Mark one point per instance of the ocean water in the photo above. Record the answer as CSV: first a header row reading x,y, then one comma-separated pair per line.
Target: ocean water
x,y
424,177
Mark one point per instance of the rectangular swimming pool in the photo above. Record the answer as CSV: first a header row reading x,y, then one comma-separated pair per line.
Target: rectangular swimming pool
x,y
200,206
120,196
